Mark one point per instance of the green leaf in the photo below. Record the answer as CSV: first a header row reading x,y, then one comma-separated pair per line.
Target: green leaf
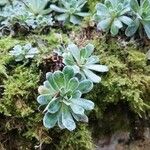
x,y
82,117
93,77
114,29
147,29
67,119
85,86
58,9
89,50
48,85
77,94
104,24
73,84
43,90
92,60
126,20
101,9
59,79
60,124
68,72
49,77
86,104
134,5
77,109
54,106
44,99
74,50
82,14
62,17
99,68
132,29
75,19
118,23
49,120
68,59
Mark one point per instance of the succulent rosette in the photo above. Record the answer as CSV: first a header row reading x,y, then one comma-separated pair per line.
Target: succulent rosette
x,y
83,62
61,95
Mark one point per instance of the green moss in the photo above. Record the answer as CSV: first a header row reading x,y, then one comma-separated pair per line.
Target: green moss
x,y
92,4
127,79
18,92
79,139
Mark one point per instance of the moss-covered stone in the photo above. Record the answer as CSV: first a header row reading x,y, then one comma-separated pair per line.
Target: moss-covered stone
x,y
124,90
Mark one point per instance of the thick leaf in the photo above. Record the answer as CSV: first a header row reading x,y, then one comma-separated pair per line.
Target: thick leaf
x,y
43,90
102,9
44,99
59,79
114,29
68,59
67,119
85,86
58,9
49,120
62,17
74,50
134,5
49,77
104,24
118,23
82,117
92,60
93,77
48,85
86,104
77,109
126,20
147,29
82,14
77,94
68,72
54,106
75,19
73,84
60,124
131,30
89,50
76,69
99,68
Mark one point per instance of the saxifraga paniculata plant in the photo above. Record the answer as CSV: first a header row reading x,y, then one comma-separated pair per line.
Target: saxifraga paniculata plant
x,y
111,15
70,11
25,52
61,95
83,62
141,14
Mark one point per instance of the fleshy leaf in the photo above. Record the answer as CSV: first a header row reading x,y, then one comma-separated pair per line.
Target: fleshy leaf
x,y
49,120
67,119
85,86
